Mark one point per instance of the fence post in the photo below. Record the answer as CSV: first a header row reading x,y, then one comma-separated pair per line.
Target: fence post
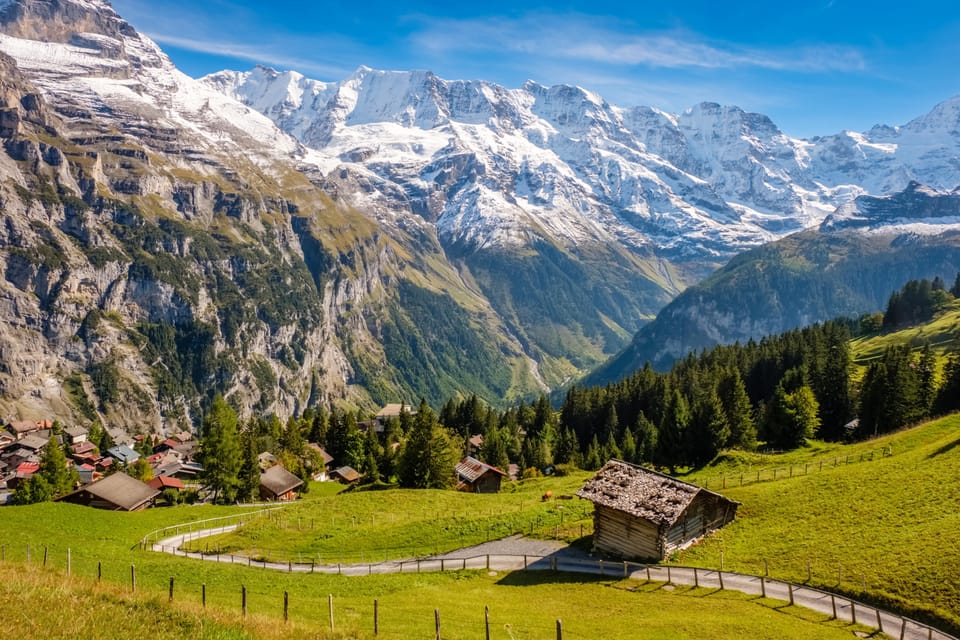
x,y
833,606
763,587
648,573
790,591
99,570
203,595
525,562
879,620
624,569
243,600
766,568
809,572
903,628
436,619
286,606
133,577
376,617
696,577
601,565
330,608
720,574
559,629
486,621
853,611
170,597
721,560
669,580
45,555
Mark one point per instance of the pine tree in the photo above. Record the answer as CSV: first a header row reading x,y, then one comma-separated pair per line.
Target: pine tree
x,y
926,381
249,487
955,289
610,449
592,458
54,469
672,433
708,430
646,437
494,451
220,451
736,407
628,447
948,397
429,454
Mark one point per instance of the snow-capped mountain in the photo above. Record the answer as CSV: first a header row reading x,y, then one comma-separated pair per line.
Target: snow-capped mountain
x,y
494,166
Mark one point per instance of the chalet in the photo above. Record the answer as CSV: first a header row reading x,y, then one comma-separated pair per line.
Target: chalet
x,y
642,514
83,448
22,428
33,443
320,474
123,454
117,492
478,477
165,482
474,444
86,473
345,475
379,422
276,483
75,435
167,445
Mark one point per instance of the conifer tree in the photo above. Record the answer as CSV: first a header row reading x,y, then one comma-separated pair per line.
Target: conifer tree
x,y
220,451
592,458
628,447
429,454
672,433
646,437
736,407
249,487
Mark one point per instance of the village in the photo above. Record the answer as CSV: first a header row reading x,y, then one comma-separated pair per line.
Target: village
x,y
173,468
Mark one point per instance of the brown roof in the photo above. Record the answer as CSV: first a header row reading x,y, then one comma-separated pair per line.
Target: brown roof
x,y
393,410
347,473
279,481
23,426
165,482
469,469
641,492
327,458
476,440
121,490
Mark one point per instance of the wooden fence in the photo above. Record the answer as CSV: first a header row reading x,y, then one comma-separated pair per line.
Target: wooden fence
x,y
837,606
781,472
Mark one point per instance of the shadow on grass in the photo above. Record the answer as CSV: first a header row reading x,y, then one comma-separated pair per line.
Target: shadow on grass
x,y
538,578
945,449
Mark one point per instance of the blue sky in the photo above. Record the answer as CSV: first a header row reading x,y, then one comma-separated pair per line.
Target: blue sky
x,y
816,67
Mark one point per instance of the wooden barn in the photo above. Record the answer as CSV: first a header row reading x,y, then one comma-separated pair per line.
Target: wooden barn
x,y
645,515
276,483
478,477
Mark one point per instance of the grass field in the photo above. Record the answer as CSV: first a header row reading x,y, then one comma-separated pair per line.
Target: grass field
x,y
890,527
51,605
522,605
374,525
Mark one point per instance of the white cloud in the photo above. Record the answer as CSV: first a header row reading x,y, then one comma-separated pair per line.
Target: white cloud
x,y
597,40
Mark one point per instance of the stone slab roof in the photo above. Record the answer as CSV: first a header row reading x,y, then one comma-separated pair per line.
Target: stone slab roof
x,y
641,492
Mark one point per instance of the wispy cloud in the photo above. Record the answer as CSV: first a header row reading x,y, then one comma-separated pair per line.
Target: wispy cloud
x,y
261,54
602,40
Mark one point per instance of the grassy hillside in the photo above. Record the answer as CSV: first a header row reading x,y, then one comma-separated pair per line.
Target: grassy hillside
x,y
942,334
890,526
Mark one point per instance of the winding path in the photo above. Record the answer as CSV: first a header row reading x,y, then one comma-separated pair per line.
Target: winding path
x,y
516,553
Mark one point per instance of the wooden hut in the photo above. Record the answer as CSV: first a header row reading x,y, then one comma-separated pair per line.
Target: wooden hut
x,y
478,477
117,492
642,514
276,483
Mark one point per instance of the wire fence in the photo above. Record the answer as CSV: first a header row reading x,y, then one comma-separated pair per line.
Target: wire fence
x,y
781,472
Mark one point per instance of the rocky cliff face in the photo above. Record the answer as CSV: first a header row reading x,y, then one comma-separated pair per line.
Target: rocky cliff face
x,y
160,245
